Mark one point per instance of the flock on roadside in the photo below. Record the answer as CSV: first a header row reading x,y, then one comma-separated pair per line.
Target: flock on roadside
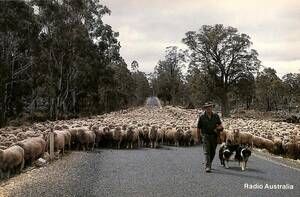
x,y
125,129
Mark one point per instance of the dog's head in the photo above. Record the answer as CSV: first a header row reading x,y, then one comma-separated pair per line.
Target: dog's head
x,y
227,153
245,152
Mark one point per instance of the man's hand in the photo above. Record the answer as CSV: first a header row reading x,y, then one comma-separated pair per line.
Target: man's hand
x,y
220,127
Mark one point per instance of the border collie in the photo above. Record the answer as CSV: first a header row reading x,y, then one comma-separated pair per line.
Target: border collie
x,y
242,154
225,152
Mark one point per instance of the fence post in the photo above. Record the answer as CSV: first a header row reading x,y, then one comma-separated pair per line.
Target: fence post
x,y
51,146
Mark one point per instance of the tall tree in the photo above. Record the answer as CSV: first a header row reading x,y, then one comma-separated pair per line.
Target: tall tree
x,y
141,84
199,86
269,89
245,89
18,35
224,55
59,59
169,75
292,89
76,48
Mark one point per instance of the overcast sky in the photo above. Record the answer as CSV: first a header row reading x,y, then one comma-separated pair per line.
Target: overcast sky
x,y
147,27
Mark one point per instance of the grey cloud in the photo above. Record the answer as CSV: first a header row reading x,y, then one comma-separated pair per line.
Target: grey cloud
x,y
147,27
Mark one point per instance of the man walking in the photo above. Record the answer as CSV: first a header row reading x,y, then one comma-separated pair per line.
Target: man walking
x,y
209,124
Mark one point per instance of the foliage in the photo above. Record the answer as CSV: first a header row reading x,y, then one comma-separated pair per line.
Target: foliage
x,y
224,55
60,59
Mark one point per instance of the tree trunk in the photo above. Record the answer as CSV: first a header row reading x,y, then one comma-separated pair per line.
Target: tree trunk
x,y
73,101
4,107
268,105
248,101
225,105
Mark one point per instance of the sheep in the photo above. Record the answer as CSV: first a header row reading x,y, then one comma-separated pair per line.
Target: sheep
x,y
74,140
59,141
123,138
187,137
132,137
144,136
160,136
117,136
86,139
245,138
107,136
232,136
11,160
153,136
67,136
258,141
222,137
268,144
291,149
136,138
64,126
178,136
34,148
58,127
277,146
140,134
170,136
94,127
241,138
99,135
7,143
3,147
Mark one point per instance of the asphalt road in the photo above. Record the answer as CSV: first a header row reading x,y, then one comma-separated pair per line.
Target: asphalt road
x,y
167,171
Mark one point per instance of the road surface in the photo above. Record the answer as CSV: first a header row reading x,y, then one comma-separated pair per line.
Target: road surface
x,y
168,171
153,101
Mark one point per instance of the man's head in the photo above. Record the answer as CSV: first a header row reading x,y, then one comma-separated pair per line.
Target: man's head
x,y
208,107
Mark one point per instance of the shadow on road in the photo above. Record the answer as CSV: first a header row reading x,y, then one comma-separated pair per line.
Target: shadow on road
x,y
240,174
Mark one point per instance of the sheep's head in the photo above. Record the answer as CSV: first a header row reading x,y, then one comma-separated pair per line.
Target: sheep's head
x,y
118,129
106,129
124,127
154,129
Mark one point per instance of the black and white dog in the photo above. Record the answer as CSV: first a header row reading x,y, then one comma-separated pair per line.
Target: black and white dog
x,y
225,152
242,154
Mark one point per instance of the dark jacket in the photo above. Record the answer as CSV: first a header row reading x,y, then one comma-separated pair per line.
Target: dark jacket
x,y
208,125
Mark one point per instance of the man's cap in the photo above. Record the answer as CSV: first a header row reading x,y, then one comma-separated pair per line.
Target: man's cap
x,y
208,104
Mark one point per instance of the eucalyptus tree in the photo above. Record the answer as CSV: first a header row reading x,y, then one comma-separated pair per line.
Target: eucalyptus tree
x,y
18,35
223,54
169,75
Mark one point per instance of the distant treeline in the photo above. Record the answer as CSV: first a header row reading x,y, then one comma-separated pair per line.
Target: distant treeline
x,y
58,60
221,67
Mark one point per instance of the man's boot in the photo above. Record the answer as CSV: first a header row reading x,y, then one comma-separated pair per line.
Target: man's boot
x,y
207,164
207,169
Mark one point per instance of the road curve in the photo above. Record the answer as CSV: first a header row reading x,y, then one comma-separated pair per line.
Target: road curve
x,y
168,171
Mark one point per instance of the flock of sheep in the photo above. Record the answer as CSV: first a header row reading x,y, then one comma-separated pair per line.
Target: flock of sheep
x,y
279,138
133,128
